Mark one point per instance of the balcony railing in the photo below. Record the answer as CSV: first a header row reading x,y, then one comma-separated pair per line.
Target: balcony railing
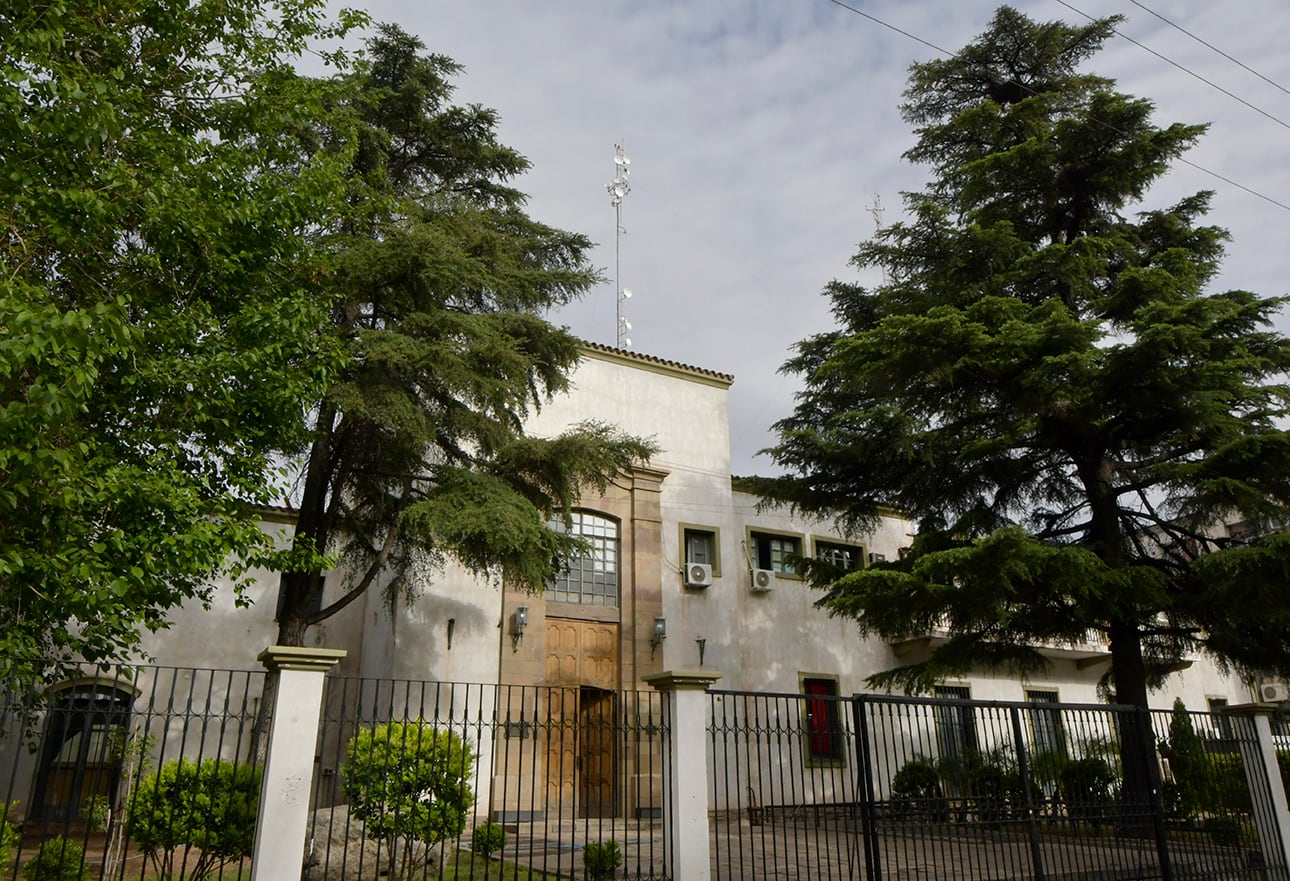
x,y
1089,648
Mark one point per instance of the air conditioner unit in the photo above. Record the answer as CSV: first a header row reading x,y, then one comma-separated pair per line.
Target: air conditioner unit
x,y
1273,692
762,580
877,558
698,574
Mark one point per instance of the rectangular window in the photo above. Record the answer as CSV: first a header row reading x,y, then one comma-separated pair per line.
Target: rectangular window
x,y
955,724
701,544
823,719
698,547
1046,731
775,552
1222,721
846,557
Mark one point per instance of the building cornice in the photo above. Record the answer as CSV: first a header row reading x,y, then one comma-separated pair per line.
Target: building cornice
x,y
656,365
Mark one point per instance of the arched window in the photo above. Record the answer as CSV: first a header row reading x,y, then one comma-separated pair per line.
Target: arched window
x,y
591,579
80,753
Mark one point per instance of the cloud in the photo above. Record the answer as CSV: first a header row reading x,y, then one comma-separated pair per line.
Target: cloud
x,y
760,134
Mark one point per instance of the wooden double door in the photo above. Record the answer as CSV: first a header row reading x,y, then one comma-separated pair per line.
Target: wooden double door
x,y
584,742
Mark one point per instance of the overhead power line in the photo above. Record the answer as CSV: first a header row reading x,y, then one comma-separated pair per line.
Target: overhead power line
x,y
1235,61
1213,85
1190,164
891,27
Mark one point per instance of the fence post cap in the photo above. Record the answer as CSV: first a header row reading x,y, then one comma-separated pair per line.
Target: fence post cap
x,y
675,680
1252,709
298,657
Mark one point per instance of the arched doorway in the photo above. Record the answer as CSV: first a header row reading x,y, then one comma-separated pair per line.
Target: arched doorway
x,y
80,751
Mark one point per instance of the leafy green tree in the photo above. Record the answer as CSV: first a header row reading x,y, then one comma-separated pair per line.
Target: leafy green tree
x,y
1188,762
1045,383
193,818
409,782
159,305
440,283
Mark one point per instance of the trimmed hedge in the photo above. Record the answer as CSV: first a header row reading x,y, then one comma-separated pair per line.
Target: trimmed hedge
x,y
209,805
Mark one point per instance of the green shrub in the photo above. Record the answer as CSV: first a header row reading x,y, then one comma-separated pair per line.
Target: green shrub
x,y
488,838
1226,831
601,858
1046,766
916,792
409,782
917,778
1227,788
1088,787
209,805
990,787
8,840
1174,803
994,781
1189,763
991,783
59,859
95,812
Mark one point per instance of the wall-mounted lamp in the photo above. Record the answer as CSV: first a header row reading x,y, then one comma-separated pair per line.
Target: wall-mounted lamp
x,y
519,620
703,645
660,634
452,625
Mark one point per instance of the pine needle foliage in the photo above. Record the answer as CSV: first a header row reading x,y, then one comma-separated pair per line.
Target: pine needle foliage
x,y
1046,383
442,283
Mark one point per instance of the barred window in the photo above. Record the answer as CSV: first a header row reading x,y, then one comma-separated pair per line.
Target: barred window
x,y
591,579
843,556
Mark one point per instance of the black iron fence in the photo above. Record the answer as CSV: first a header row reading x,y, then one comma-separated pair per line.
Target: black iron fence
x,y
152,772
502,781
130,772
884,787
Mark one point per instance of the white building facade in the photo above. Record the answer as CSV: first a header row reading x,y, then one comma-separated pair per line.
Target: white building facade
x,y
682,554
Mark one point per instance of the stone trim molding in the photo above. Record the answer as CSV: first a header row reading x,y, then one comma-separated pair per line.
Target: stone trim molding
x,y
682,680
295,657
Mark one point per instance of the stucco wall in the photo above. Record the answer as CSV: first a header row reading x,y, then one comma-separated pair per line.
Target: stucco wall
x,y
764,640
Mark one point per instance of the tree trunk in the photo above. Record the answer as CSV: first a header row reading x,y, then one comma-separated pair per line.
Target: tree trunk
x,y
297,592
1139,795
1139,791
300,592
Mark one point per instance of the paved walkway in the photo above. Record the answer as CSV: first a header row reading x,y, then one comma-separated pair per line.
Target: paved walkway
x,y
805,851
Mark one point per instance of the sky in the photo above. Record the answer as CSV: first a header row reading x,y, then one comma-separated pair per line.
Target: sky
x,y
763,136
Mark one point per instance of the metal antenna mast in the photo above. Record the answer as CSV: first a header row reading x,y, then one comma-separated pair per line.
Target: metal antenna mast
x,y
618,188
875,208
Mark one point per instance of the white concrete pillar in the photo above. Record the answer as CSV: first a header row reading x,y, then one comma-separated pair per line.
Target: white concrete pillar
x,y
1259,755
685,810
283,816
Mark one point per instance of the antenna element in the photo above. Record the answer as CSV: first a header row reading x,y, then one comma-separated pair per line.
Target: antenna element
x,y
618,189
